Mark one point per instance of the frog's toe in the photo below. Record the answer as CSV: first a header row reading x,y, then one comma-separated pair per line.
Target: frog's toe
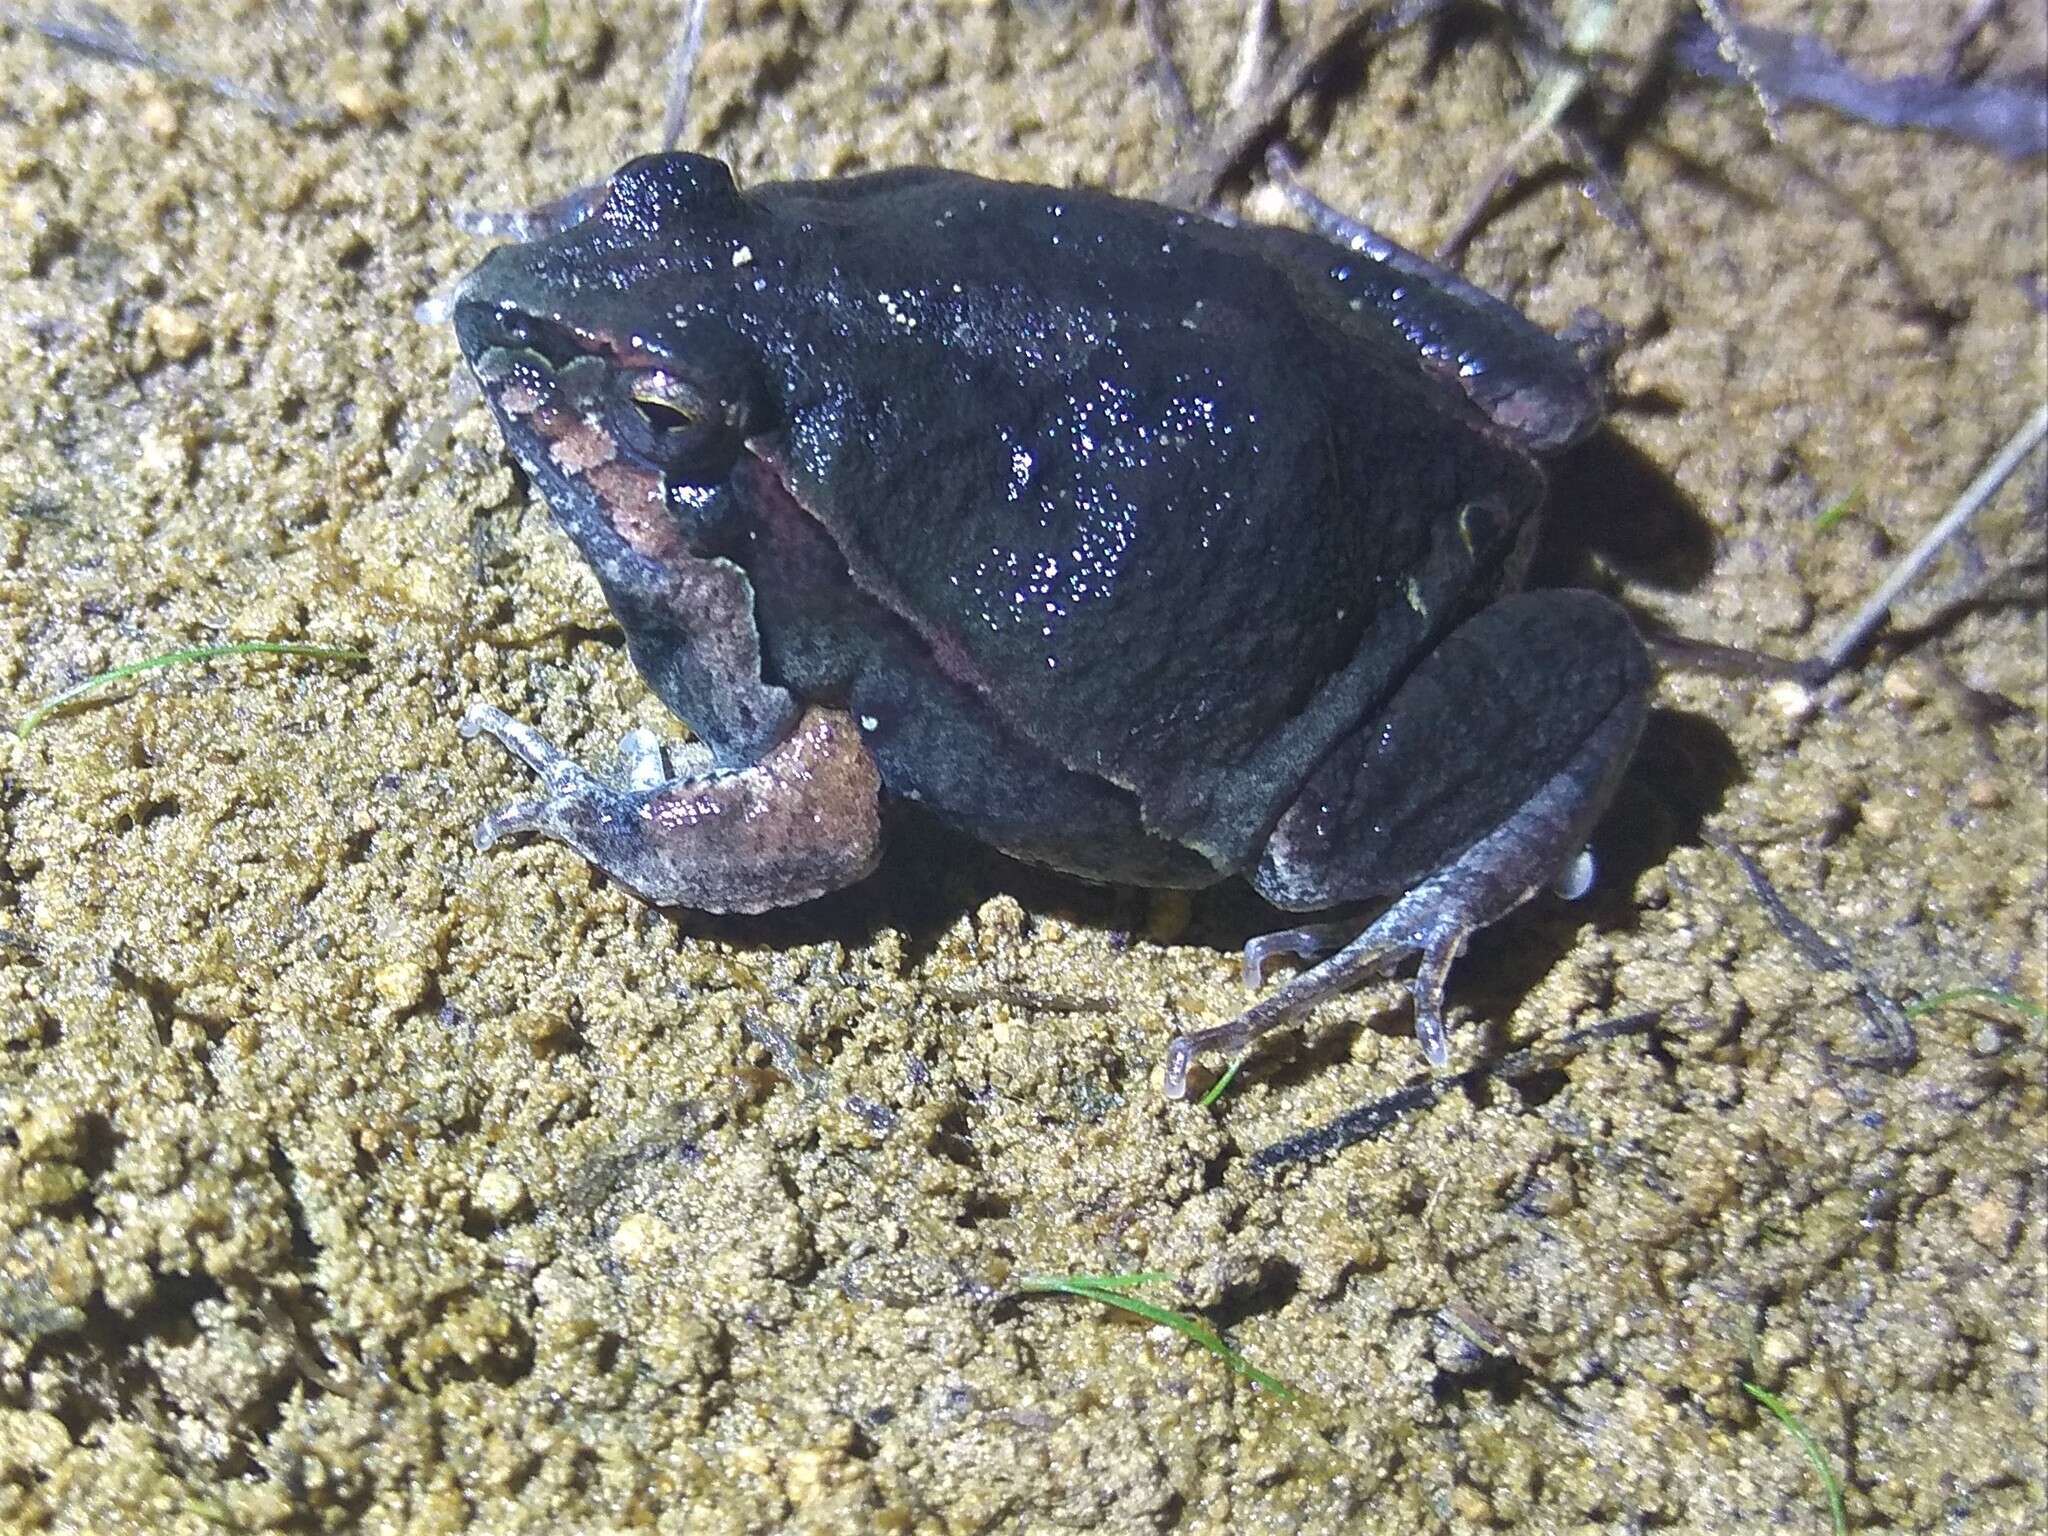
x,y
574,799
526,816
1576,878
1416,924
643,762
1311,941
522,741
647,761
1444,942
539,222
1530,710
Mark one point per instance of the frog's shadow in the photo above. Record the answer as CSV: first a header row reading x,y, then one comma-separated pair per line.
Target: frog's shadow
x,y
1680,775
1609,499
930,876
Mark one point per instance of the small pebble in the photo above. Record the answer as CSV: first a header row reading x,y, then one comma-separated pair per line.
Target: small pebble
x,y
176,333
1989,1040
159,119
1471,1505
165,454
1793,700
362,103
1903,684
1993,1221
499,1195
400,985
1983,792
640,1237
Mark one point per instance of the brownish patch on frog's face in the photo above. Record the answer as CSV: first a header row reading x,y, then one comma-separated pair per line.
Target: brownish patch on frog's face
x,y
555,441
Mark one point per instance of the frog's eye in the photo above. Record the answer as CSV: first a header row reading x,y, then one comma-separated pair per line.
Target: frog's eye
x,y
662,416
664,404
670,425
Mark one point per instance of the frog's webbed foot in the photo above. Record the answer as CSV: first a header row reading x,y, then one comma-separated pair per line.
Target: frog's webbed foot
x,y
1312,941
1545,391
525,225
1315,941
1475,788
518,224
803,820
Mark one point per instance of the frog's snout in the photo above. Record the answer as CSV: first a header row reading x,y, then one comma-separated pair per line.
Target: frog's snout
x,y
483,326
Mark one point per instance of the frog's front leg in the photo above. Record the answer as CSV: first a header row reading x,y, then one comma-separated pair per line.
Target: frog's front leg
x,y
1468,794
802,820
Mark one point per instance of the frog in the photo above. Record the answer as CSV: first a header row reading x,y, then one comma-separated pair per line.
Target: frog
x,y
1149,547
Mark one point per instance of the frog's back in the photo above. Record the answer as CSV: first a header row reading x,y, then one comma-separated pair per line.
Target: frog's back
x,y
1178,524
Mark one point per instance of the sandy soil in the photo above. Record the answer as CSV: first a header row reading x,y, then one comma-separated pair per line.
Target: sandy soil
x,y
351,1178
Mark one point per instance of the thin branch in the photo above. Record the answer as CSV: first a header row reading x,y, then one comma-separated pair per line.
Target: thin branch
x,y
1973,22
1254,43
91,30
1836,654
1734,48
1559,76
1822,953
682,71
1370,1119
2009,116
1180,107
1292,74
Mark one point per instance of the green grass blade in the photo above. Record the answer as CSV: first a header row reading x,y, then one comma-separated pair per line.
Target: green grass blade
x,y
1839,508
1091,1288
1127,1281
1807,1443
195,654
2027,1006
1216,1088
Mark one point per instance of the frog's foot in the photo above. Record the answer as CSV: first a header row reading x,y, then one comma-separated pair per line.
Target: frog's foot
x,y
802,821
525,225
520,224
1312,941
1432,923
645,760
1474,789
1544,391
1414,925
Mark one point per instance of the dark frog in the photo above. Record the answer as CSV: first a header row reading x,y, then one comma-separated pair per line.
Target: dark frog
x,y
1140,546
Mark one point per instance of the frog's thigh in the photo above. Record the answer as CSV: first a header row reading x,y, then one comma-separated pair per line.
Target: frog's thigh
x,y
1484,773
801,821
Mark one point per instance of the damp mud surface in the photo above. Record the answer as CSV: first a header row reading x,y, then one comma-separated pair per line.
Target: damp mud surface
x,y
354,1179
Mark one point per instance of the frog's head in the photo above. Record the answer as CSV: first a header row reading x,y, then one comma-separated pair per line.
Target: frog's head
x,y
610,354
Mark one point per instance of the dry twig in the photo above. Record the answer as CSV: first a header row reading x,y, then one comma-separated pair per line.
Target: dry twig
x,y
1852,636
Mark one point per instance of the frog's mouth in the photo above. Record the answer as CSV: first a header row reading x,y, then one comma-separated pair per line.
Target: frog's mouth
x,y
483,325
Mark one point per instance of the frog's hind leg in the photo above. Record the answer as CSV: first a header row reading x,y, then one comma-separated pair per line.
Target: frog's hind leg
x,y
801,821
1469,793
1545,391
